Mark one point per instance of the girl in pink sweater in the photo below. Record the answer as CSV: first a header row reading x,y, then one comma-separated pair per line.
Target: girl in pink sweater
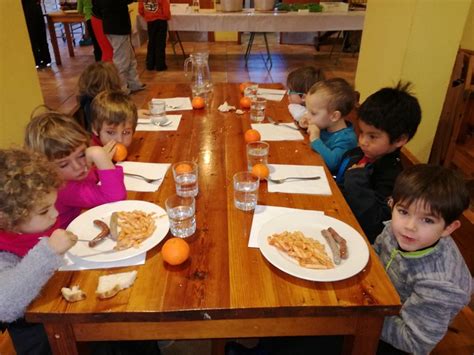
x,y
91,177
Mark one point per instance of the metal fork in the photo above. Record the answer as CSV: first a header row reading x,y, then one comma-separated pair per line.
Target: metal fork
x,y
277,123
282,180
143,177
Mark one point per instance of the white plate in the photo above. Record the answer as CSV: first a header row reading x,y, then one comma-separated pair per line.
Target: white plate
x,y
311,228
84,228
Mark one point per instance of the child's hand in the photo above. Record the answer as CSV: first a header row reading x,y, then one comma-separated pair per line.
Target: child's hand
x,y
304,122
314,132
110,148
61,240
356,166
100,157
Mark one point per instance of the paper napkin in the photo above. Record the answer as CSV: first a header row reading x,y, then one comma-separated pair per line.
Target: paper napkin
x,y
310,187
271,94
148,170
178,104
144,124
271,132
263,214
75,264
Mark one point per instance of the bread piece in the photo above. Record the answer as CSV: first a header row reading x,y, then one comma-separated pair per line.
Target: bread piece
x,y
114,227
73,294
110,285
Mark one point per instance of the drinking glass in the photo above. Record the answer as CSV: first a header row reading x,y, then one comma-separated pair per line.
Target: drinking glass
x,y
245,190
185,175
251,91
181,212
257,109
257,152
157,110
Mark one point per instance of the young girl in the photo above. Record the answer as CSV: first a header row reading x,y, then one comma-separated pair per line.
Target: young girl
x,y
95,78
31,246
65,143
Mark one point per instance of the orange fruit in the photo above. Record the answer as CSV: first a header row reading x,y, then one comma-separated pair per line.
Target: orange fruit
x,y
261,171
175,251
120,152
252,135
244,85
245,102
183,168
198,102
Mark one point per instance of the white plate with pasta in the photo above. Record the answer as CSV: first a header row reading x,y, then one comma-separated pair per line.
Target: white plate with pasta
x,y
83,226
291,226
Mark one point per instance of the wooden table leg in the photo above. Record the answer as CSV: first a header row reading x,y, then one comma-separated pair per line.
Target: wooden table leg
x,y
54,40
70,47
366,339
61,338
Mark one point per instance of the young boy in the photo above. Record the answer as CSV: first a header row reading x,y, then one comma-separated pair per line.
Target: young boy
x,y
388,119
422,259
114,119
328,103
299,82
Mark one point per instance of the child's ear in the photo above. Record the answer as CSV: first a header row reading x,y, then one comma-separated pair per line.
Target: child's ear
x,y
449,229
336,116
401,141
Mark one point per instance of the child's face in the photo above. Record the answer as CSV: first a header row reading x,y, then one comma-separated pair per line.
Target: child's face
x,y
415,227
374,142
121,133
318,114
43,216
74,166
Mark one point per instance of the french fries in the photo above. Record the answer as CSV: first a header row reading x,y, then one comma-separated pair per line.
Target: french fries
x,y
308,252
133,228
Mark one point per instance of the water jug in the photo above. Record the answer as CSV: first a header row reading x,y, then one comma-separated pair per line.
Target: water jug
x,y
201,84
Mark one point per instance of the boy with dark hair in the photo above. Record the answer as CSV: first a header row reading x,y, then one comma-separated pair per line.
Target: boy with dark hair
x,y
421,258
388,119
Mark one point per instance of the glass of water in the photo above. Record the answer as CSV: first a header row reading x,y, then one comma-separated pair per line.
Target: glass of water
x,y
257,109
181,212
185,175
251,91
245,190
157,110
257,152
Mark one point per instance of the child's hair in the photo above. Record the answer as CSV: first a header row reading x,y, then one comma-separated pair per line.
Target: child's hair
x,y
393,110
300,80
26,178
113,107
442,190
98,77
341,96
54,135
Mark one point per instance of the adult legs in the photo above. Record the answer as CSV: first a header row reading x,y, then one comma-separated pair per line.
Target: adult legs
x,y
37,32
160,50
151,47
105,46
97,50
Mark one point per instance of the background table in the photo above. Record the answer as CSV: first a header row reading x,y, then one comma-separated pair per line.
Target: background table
x,y
226,289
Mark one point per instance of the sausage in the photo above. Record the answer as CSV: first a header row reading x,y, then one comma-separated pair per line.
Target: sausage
x,y
336,255
104,232
341,242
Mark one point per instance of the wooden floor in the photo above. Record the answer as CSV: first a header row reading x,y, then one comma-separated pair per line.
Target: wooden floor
x,y
59,83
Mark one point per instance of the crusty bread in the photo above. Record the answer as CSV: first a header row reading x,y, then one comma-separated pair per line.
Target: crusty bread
x,y
73,294
110,285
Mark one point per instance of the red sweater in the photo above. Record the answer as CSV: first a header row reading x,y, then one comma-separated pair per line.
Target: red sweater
x,y
153,10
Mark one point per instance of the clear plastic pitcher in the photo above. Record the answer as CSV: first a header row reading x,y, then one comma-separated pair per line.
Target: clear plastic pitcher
x,y
196,67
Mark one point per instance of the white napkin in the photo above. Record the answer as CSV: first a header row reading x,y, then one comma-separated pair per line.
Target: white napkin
x,y
271,132
177,104
310,187
271,94
144,124
79,264
263,214
149,170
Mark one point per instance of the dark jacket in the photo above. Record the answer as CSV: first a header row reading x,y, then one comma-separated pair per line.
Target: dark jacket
x,y
367,189
114,14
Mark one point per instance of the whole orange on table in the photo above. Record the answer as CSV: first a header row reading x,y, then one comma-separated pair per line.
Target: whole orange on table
x,y
252,135
245,102
198,102
261,171
175,251
183,168
120,152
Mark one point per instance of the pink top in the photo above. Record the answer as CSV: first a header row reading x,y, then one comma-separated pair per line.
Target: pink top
x,y
84,194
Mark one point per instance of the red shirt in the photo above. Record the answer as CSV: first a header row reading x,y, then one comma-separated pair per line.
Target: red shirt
x,y
153,10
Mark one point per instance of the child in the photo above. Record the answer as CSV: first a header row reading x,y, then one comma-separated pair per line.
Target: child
x,y
421,258
388,119
299,82
65,143
31,246
156,14
328,103
95,78
114,119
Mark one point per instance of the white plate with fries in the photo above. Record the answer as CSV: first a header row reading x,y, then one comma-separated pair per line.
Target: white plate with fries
x,y
85,229
319,268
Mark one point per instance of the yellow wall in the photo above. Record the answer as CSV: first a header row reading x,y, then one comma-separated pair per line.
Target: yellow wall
x,y
467,41
417,41
20,91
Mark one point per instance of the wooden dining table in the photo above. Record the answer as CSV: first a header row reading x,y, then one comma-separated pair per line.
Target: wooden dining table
x,y
225,289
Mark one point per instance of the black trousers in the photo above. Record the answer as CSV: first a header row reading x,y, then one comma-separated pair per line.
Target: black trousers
x,y
95,44
156,54
29,338
36,31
